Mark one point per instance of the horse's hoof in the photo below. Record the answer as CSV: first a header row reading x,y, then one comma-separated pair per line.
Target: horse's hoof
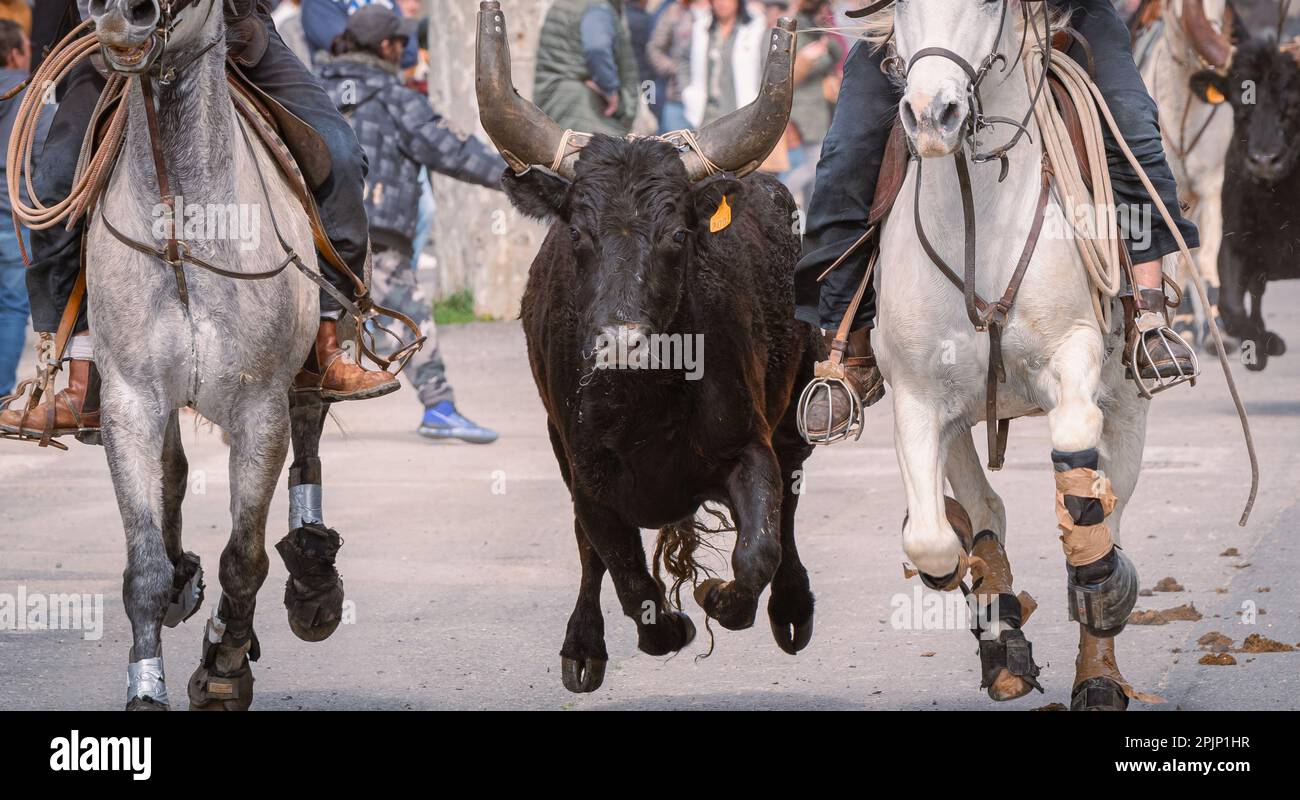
x,y
581,677
187,590
1098,694
146,704
1274,345
1008,687
792,637
211,692
313,616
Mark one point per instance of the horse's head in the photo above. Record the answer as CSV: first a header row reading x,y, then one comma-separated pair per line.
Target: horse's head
x,y
133,33
947,47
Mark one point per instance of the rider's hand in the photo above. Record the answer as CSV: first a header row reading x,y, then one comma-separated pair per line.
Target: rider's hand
x,y
611,100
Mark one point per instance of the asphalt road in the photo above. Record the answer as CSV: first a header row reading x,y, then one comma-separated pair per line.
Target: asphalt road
x,y
461,565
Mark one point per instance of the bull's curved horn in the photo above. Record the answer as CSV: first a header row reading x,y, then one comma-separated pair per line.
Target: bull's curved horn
x,y
742,139
1213,47
520,130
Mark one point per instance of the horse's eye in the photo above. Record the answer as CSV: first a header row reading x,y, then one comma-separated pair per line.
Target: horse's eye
x,y
680,236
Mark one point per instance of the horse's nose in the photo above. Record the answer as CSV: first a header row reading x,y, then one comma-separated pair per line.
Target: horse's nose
x,y
938,116
137,13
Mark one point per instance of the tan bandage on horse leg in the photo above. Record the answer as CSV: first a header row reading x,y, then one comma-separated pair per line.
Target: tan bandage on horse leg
x,y
1083,501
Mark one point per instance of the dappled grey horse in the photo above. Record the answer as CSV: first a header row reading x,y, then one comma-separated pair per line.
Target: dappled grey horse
x,y
168,336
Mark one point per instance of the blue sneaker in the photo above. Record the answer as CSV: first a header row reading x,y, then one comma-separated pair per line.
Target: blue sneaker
x,y
443,421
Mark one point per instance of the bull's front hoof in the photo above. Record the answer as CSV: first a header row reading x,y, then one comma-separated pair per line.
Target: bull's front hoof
x,y
211,692
1274,345
582,676
146,704
669,633
792,637
721,600
1098,694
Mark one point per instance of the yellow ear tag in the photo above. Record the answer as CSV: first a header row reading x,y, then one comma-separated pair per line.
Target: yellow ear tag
x,y
721,218
1213,96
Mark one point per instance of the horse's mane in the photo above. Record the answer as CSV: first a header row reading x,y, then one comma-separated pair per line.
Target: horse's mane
x,y
878,28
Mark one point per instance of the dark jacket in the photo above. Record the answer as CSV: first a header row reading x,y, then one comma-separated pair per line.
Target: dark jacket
x,y
10,78
401,135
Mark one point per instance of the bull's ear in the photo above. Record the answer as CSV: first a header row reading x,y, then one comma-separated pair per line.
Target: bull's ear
x,y
538,193
1209,86
715,202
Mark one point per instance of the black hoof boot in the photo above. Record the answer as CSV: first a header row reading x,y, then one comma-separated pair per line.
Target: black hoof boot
x,y
187,590
313,595
1098,694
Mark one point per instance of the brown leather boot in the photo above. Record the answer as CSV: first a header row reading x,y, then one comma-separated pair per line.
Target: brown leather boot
x,y
68,413
1162,354
860,372
341,378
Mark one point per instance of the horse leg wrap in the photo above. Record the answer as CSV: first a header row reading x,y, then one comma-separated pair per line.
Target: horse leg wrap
x,y
212,689
313,594
961,525
187,590
146,689
1102,581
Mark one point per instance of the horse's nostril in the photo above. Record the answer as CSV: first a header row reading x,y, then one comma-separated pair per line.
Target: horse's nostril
x,y
950,117
142,12
909,116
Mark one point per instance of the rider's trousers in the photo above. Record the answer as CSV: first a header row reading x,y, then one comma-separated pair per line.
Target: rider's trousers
x,y
56,251
854,146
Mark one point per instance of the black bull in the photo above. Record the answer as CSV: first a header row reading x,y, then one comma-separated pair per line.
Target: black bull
x,y
1261,187
631,244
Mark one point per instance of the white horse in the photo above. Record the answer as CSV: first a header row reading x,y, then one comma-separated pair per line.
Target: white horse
x,y
1196,133
1057,359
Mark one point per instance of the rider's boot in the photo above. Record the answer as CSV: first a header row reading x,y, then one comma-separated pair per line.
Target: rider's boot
x,y
1160,354
860,374
336,375
72,412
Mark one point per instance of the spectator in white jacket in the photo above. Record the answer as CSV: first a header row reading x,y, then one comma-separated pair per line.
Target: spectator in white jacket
x,y
724,71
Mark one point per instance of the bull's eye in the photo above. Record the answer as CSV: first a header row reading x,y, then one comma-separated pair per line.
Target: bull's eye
x,y
575,234
680,236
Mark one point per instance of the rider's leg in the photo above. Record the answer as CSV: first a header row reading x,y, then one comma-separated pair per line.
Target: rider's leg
x,y
397,286
1148,238
340,199
837,216
56,259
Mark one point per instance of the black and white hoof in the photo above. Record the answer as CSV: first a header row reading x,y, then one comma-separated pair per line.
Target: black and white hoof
x,y
1099,694
313,594
582,676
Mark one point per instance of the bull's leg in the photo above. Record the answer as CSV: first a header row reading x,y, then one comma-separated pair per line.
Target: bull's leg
x,y
187,581
660,630
134,429
583,656
1268,343
790,606
259,441
755,491
929,538
1007,665
313,593
1102,582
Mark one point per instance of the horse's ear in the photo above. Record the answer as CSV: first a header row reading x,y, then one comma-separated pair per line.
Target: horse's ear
x,y
538,193
1209,86
714,201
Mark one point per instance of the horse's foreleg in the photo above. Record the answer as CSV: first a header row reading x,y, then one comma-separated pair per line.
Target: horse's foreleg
x,y
187,581
754,489
259,441
928,537
1007,666
1102,582
134,429
313,594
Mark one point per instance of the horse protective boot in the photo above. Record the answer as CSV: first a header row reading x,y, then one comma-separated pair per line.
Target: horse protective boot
x,y
831,406
1102,583
334,373
313,594
217,685
1159,358
74,411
